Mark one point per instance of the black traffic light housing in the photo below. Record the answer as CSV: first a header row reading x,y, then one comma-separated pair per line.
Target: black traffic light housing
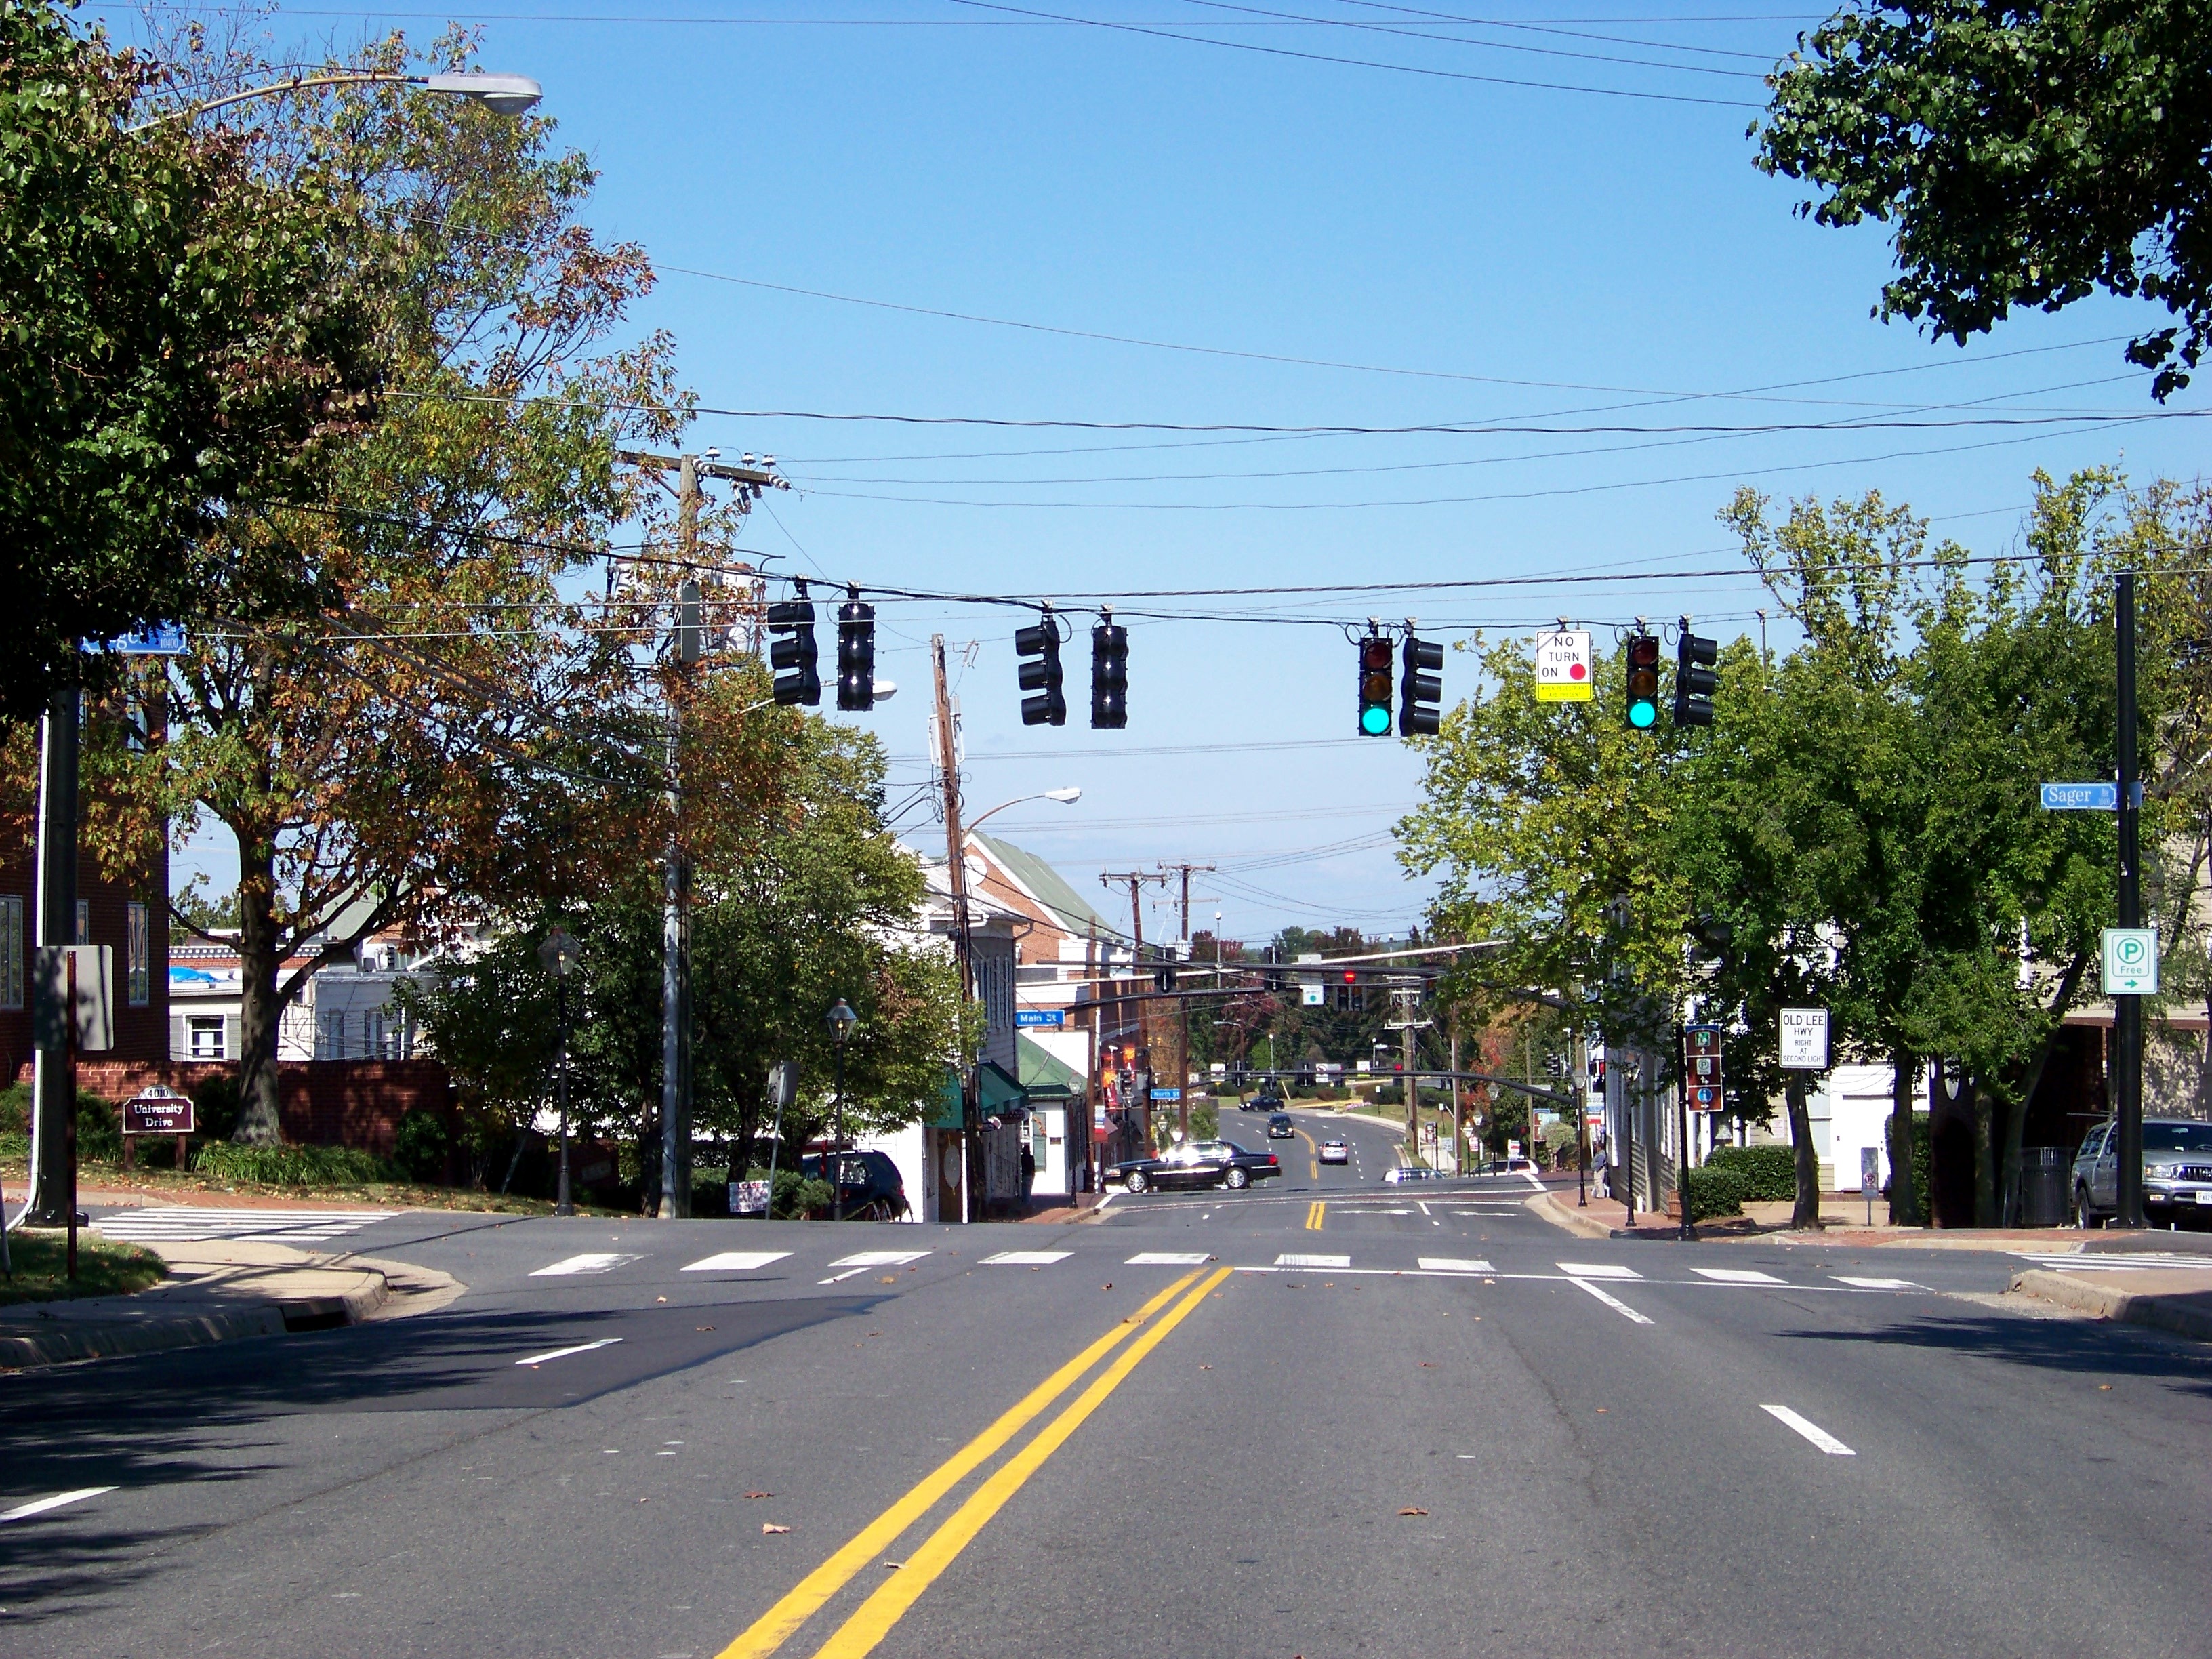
x,y
1109,674
1375,685
1695,677
1421,687
1643,681
856,653
792,658
1041,641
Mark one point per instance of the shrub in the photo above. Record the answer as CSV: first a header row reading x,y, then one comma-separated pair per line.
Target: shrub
x,y
419,1145
795,1195
98,1130
291,1166
1715,1190
1768,1173
215,1106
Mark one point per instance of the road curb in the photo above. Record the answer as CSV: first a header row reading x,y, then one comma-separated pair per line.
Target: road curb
x,y
1548,1207
157,1335
2189,1314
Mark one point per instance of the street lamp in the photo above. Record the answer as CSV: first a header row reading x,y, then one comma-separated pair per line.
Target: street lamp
x,y
843,1019
559,955
502,94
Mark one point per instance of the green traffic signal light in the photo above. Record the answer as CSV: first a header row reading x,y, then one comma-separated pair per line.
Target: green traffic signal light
x,y
1642,714
1643,681
1374,686
1375,722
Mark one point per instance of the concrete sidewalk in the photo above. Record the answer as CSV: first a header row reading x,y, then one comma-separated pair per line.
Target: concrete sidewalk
x,y
217,1290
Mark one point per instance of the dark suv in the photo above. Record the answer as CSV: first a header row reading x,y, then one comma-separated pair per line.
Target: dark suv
x,y
1279,1127
872,1187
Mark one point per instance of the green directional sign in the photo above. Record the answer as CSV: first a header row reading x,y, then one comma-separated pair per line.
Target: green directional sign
x,y
2130,962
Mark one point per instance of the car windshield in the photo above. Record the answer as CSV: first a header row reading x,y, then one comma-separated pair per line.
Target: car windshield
x,y
2176,1138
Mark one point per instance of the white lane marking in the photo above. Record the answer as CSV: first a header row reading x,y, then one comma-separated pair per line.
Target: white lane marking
x,y
1596,1270
1446,1264
1025,1258
1167,1259
563,1353
1313,1261
1812,1431
1874,1284
40,1506
1420,1205
735,1262
1610,1300
1737,1276
879,1259
605,1261
1530,1176
1489,1211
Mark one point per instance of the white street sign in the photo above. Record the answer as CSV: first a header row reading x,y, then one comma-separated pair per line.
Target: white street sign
x,y
1563,667
1804,1039
2130,962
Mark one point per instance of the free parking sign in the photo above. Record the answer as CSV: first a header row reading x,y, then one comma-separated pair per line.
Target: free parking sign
x,y
2130,962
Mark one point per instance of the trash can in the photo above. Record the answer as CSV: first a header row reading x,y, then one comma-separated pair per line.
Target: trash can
x,y
2043,1194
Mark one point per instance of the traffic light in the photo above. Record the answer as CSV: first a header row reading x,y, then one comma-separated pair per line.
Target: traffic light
x,y
1695,680
856,653
1042,641
1643,681
1420,688
794,617
1374,686
1109,675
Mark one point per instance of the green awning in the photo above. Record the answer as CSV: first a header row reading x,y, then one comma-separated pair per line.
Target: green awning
x,y
994,1088
1042,1076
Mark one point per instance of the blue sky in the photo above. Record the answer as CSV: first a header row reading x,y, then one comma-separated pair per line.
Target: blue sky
x,y
1582,258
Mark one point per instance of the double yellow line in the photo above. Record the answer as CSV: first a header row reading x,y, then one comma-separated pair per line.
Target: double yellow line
x,y
1315,1211
873,1619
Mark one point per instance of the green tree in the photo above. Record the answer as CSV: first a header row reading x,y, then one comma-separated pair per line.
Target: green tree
x,y
176,332
2026,154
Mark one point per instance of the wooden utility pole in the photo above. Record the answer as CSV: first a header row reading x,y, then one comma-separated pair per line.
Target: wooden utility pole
x,y
956,865
1135,880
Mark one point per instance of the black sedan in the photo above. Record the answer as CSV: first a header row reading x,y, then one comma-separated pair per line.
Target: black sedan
x,y
1199,1163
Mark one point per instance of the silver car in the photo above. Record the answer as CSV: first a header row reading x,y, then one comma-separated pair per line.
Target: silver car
x,y
2176,1171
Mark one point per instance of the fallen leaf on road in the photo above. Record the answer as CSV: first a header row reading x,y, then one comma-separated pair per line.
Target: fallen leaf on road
x,y
760,1494
1205,1368
770,1527
1428,1364
1107,1287
1412,1511
660,1298
702,1328
893,1566
888,1279
1601,1411
2104,1388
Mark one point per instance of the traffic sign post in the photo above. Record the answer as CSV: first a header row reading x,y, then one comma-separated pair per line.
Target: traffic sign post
x,y
1563,667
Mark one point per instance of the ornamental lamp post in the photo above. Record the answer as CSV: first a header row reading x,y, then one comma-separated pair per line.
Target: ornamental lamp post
x,y
559,955
843,1019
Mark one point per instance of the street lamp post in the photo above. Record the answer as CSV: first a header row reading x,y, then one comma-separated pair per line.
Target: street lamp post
x,y
503,94
560,954
843,1019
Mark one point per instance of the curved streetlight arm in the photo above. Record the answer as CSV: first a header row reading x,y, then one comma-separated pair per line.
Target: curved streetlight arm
x,y
509,95
1019,800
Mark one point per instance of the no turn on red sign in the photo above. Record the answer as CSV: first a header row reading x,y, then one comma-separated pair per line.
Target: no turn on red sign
x,y
1563,667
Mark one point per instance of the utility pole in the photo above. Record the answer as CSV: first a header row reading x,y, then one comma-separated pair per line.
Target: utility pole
x,y
1408,998
1135,880
2127,1011
51,1201
676,873
956,865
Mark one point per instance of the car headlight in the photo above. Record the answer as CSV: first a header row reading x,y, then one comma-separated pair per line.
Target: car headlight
x,y
2162,1171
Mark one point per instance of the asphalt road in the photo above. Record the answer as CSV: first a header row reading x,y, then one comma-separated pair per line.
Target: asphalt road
x,y
1352,1418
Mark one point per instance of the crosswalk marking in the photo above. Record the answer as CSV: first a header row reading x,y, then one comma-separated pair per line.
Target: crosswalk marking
x,y
1024,1258
1735,1276
1596,1270
571,1267
1446,1264
2118,1263
1859,1284
183,1224
1168,1259
1812,1431
1611,1300
1313,1261
879,1259
735,1262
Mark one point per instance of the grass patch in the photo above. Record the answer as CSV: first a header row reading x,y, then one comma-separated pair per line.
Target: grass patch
x,y
104,1267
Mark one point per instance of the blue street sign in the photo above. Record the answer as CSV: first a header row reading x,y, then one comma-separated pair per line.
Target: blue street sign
x,y
2085,797
1167,1094
161,639
1039,1016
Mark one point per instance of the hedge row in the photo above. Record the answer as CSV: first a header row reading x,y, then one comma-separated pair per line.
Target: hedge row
x,y
292,1166
1768,1174
1715,1190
